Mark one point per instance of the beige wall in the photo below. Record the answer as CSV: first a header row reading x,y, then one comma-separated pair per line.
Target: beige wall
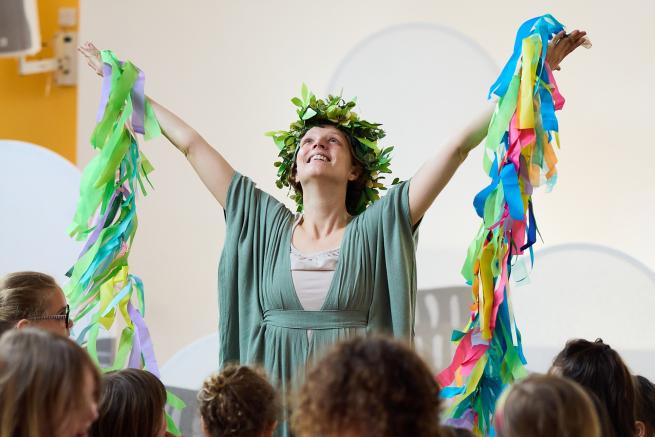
x,y
229,69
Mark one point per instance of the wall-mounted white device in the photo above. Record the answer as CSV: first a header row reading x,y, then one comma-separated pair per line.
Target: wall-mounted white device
x,y
20,37
19,28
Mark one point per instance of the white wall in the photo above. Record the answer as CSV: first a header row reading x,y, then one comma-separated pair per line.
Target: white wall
x,y
38,194
230,68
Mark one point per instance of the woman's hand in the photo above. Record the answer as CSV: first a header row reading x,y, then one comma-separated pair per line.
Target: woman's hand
x,y
92,55
433,176
562,45
214,171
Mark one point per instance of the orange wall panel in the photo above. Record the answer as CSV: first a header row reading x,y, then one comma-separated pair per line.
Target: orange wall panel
x,y
33,108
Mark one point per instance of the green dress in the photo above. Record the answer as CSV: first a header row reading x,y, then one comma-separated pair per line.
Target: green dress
x,y
261,320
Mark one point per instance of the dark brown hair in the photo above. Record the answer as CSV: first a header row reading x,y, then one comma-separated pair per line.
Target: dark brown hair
x,y
546,406
600,369
606,429
370,386
40,381
131,405
645,403
355,188
239,401
24,295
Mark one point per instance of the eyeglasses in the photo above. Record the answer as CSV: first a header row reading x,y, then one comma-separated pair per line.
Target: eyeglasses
x,y
65,316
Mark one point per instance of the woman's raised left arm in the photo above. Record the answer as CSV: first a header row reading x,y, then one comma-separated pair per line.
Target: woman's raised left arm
x,y
437,171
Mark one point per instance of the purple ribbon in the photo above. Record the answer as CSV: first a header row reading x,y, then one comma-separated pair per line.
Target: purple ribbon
x,y
142,345
106,88
139,103
137,94
135,354
466,421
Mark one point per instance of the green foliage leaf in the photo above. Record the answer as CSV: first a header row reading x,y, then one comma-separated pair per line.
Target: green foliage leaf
x,y
309,113
296,101
304,93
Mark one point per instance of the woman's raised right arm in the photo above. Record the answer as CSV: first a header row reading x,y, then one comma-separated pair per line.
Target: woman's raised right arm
x,y
214,171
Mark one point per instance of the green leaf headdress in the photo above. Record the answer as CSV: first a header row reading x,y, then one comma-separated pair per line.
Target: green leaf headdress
x,y
363,136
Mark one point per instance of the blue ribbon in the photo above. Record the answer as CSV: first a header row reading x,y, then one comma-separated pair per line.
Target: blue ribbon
x,y
512,191
480,199
548,117
451,392
546,25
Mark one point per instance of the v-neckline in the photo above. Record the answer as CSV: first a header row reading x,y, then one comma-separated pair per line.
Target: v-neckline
x,y
287,264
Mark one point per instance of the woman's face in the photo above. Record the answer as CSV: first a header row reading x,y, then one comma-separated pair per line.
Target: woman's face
x,y
325,152
79,420
56,306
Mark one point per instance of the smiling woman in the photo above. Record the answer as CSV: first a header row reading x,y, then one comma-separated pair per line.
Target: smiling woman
x,y
355,249
326,147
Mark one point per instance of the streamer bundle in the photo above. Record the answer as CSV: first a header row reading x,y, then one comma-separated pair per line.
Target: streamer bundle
x,y
100,282
518,156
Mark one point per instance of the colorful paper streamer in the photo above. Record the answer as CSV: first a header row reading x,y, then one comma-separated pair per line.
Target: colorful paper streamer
x,y
518,156
100,283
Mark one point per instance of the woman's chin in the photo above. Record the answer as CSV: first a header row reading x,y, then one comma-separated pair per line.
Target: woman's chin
x,y
319,173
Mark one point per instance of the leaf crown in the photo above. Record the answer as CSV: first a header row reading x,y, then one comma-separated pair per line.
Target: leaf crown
x,y
363,136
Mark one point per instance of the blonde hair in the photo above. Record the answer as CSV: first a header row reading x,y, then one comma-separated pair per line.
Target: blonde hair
x,y
24,295
40,382
545,406
239,401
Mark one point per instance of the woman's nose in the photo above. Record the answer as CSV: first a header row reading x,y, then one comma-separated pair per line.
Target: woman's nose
x,y
319,143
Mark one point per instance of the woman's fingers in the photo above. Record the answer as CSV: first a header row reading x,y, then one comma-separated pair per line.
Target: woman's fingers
x,y
562,44
557,38
574,42
89,50
92,55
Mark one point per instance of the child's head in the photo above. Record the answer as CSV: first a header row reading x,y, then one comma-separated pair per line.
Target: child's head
x,y
546,406
33,299
48,385
599,368
239,401
131,405
645,406
368,387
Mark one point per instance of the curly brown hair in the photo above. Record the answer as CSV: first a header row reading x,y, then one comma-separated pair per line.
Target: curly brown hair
x,y
239,401
371,386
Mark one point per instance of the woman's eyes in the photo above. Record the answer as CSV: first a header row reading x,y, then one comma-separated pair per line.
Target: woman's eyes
x,y
331,140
